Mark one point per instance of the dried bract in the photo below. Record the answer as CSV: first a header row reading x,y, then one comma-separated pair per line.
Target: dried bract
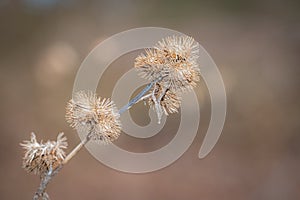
x,y
40,157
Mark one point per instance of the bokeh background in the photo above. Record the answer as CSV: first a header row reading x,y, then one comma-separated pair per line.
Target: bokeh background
x,y
256,45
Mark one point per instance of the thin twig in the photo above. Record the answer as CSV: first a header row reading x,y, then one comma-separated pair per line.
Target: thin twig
x,y
137,98
45,180
76,149
145,97
156,104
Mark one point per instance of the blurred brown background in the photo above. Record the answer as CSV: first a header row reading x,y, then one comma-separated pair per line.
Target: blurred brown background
x,y
256,45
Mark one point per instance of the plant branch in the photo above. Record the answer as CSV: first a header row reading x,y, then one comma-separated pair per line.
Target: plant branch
x,y
76,149
137,98
140,96
40,193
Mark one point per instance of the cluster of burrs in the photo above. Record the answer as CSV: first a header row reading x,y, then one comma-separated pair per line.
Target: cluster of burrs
x,y
171,67
97,118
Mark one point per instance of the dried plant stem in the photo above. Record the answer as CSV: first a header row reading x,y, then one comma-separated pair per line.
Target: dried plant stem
x,y
174,59
76,149
145,97
140,96
51,173
137,98
156,104
44,182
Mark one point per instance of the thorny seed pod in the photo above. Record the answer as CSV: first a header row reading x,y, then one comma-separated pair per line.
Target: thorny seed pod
x,y
174,60
40,157
89,114
170,102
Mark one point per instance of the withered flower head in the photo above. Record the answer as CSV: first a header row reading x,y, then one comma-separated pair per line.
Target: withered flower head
x,y
92,115
170,102
40,157
174,60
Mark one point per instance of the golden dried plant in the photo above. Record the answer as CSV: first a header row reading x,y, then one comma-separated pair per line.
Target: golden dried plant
x,y
171,66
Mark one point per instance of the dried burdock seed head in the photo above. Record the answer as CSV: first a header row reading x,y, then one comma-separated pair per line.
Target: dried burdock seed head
x,y
92,115
149,65
174,60
170,102
40,157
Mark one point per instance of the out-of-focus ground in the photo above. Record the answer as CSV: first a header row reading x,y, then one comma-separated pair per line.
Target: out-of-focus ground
x,y
256,45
